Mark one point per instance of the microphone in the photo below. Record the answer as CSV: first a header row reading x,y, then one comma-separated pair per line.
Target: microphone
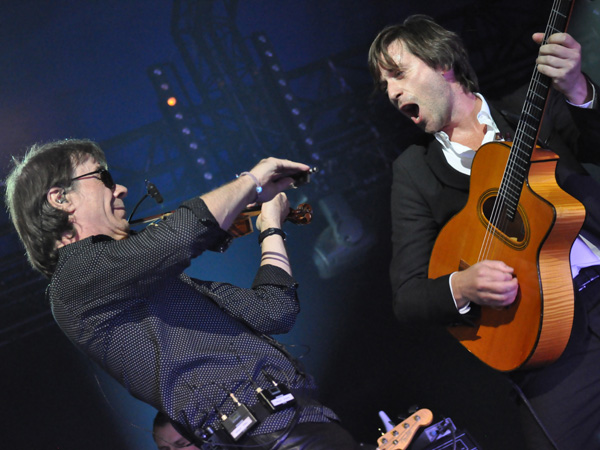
x,y
153,192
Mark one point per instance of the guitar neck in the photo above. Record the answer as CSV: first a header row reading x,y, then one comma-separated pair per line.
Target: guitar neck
x,y
531,116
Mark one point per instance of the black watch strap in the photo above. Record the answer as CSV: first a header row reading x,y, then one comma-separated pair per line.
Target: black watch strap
x,y
269,232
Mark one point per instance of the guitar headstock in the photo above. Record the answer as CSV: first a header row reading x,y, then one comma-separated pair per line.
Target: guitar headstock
x,y
400,437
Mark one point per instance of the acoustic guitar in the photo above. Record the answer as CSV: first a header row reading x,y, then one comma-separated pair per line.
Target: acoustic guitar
x,y
517,213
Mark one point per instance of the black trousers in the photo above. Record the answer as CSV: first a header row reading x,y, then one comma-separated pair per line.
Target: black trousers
x,y
565,395
304,436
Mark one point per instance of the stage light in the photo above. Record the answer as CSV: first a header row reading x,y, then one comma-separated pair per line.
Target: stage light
x,y
344,243
172,99
277,78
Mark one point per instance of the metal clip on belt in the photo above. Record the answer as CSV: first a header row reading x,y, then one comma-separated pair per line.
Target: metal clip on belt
x,y
586,276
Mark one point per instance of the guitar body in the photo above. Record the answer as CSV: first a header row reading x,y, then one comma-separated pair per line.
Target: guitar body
x,y
535,329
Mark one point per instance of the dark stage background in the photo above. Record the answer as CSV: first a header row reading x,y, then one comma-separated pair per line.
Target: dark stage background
x,y
251,78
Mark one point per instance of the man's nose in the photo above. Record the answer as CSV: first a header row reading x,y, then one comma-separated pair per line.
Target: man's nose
x,y
120,191
394,90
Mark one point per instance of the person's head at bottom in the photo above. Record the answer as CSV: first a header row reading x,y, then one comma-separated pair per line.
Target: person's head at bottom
x,y
166,436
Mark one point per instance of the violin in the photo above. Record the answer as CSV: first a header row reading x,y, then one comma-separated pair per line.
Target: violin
x,y
242,225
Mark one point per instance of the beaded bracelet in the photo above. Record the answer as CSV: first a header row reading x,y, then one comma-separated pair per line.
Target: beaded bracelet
x,y
258,186
270,232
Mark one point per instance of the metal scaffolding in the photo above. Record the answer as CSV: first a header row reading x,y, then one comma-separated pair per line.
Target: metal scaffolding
x,y
237,103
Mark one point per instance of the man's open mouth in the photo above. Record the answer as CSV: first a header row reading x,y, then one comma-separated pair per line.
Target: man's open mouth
x,y
411,110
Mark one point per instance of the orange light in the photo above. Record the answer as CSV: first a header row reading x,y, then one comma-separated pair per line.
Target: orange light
x,y
172,101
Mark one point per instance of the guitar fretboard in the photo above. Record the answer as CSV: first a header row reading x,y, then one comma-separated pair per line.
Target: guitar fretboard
x,y
528,128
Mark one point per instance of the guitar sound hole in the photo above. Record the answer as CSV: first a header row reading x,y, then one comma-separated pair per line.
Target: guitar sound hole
x,y
514,230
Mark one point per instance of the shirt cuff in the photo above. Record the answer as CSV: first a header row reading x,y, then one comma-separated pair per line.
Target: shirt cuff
x,y
465,309
587,105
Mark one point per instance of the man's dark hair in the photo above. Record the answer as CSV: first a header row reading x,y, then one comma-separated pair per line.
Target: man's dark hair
x,y
428,41
38,223
160,420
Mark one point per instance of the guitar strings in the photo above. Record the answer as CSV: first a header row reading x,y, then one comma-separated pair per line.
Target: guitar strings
x,y
498,218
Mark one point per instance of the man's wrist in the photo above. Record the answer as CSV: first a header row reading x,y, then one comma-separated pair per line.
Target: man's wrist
x,y
591,103
271,232
466,307
257,186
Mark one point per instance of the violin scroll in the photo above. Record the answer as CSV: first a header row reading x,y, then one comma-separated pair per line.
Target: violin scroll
x,y
242,225
302,215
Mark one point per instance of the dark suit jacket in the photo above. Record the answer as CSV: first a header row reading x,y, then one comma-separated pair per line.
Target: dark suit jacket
x,y
427,192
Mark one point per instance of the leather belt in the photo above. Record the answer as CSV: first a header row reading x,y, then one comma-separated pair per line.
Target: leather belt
x,y
586,276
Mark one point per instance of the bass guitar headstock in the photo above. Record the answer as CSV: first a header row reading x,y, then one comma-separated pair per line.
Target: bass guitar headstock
x,y
400,437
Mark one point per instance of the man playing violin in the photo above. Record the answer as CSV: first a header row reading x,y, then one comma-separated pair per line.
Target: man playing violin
x,y
424,70
199,351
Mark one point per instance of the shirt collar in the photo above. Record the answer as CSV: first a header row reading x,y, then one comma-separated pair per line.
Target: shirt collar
x,y
459,156
484,116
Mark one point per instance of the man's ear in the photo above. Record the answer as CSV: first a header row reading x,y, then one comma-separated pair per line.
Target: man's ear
x,y
448,74
57,198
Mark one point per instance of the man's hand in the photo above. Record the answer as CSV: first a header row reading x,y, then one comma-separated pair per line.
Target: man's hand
x,y
273,213
490,283
273,175
560,59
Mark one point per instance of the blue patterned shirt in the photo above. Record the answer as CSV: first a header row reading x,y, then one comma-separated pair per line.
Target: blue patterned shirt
x,y
180,344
